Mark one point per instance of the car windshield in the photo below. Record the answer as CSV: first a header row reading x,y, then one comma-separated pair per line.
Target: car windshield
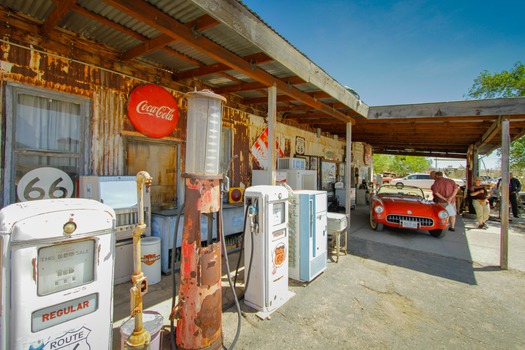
x,y
397,190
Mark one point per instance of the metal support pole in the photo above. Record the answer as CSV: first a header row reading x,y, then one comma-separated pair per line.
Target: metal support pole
x,y
272,125
348,175
504,190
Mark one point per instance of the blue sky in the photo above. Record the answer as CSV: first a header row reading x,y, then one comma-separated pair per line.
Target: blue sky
x,y
399,52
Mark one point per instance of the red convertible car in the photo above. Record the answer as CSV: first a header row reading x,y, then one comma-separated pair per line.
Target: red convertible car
x,y
406,207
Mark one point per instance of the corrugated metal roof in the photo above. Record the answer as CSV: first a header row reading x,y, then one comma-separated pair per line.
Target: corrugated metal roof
x,y
327,103
39,9
193,53
130,37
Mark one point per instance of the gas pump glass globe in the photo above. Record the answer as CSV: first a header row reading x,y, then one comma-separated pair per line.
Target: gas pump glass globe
x,y
203,134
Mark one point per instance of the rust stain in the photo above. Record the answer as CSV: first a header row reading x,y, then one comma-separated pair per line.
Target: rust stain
x,y
210,265
209,318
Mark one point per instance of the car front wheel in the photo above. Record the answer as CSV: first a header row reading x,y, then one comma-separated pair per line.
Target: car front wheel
x,y
375,225
438,233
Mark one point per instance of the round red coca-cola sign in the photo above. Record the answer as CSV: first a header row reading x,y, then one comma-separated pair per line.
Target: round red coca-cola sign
x,y
153,110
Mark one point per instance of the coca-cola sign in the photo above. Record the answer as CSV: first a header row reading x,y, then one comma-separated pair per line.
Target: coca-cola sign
x,y
153,111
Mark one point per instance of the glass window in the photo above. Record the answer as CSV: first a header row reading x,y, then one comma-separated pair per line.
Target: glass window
x,y
226,149
161,160
44,130
64,266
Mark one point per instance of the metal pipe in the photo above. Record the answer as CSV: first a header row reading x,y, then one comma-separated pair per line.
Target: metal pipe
x,y
140,338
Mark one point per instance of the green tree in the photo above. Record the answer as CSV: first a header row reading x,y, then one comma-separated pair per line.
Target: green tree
x,y
509,83
382,163
503,84
401,165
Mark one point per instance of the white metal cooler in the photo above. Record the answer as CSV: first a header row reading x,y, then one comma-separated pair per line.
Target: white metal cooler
x,y
308,235
57,275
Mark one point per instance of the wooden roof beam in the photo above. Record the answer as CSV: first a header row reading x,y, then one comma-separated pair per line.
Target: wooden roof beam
x,y
103,20
240,19
470,108
197,25
243,86
151,16
254,59
494,129
61,9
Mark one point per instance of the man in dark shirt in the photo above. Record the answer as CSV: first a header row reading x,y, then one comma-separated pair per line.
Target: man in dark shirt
x,y
514,190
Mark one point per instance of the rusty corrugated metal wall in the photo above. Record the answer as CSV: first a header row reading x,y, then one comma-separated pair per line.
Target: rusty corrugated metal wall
x,y
107,145
109,92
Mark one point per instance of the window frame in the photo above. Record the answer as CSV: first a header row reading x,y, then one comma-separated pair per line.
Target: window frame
x,y
12,90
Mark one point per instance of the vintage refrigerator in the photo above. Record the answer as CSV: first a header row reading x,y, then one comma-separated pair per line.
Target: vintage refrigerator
x,y
297,179
308,234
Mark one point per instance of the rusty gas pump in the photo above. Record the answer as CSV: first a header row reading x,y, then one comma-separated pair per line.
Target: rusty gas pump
x,y
140,338
199,308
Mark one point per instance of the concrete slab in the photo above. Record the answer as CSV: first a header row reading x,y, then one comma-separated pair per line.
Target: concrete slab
x,y
468,243
394,290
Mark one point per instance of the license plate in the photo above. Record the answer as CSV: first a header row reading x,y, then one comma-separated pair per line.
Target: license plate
x,y
409,224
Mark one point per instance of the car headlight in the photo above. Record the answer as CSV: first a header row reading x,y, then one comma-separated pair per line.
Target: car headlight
x,y
443,214
379,209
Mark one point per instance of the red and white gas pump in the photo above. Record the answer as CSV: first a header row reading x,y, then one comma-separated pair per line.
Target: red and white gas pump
x,y
57,275
199,308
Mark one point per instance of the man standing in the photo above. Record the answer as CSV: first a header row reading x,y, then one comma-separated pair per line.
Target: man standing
x,y
514,190
445,191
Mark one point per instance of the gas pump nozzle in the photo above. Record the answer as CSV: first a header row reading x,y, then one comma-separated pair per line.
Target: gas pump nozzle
x,y
226,178
252,214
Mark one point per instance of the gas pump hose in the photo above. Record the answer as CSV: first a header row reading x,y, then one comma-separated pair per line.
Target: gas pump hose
x,y
247,273
174,276
232,286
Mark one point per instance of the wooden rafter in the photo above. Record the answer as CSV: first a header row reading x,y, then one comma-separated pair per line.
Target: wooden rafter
x,y
170,26
197,25
61,9
220,67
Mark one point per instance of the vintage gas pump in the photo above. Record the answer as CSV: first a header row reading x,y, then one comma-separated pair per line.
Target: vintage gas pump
x,y
199,308
141,337
266,248
57,275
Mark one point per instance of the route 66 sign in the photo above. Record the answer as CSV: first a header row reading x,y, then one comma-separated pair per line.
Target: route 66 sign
x,y
44,183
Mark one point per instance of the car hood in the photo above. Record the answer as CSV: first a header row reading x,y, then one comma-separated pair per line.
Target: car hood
x,y
401,205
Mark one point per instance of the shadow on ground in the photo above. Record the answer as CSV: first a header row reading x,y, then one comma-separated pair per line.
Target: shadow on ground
x,y
445,267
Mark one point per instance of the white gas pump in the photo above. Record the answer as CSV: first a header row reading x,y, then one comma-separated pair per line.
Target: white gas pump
x,y
266,248
57,275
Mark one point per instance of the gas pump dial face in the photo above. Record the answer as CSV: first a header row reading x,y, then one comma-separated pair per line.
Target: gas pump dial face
x,y
65,266
278,213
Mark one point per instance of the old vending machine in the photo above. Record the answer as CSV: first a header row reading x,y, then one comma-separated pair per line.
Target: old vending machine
x,y
57,271
308,234
266,248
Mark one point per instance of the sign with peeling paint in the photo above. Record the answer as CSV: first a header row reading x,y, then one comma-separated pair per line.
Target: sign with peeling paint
x,y
259,151
153,111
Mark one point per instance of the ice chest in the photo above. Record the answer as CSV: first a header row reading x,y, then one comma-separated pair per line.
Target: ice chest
x,y
336,222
